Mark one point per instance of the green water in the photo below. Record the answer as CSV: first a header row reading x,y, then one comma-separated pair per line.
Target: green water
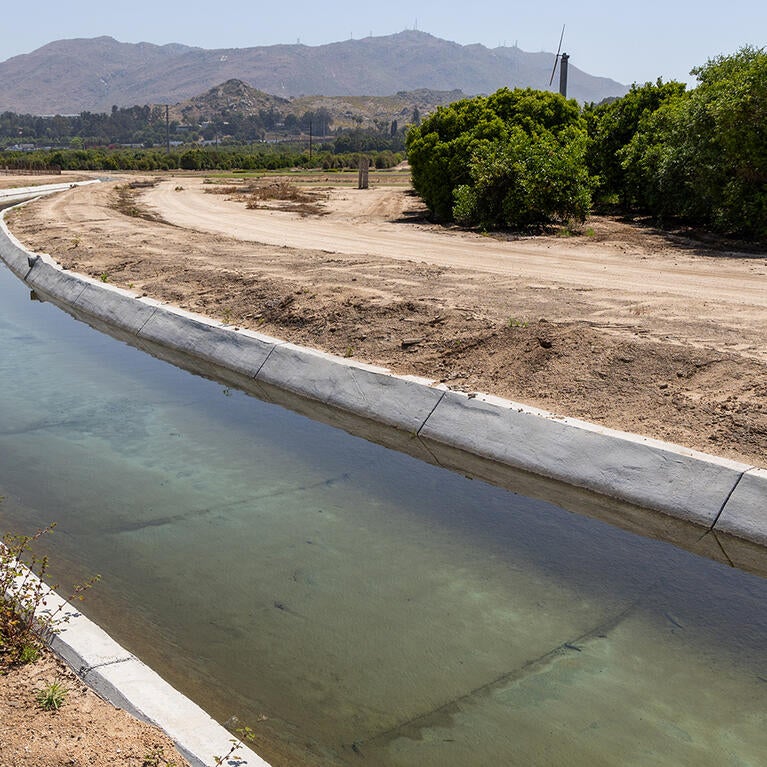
x,y
351,604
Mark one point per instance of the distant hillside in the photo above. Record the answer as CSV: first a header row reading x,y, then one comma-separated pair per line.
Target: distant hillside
x,y
233,97
70,76
236,98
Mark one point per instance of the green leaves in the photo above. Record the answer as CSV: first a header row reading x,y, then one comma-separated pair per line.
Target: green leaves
x,y
698,155
25,620
52,697
514,159
527,181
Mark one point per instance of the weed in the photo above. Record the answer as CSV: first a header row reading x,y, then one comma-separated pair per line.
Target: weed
x,y
246,734
29,653
349,352
75,242
227,315
25,624
156,758
515,323
52,697
124,201
104,276
224,189
590,232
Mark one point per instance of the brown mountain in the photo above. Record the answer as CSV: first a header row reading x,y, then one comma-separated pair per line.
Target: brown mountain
x,y
236,98
233,97
69,76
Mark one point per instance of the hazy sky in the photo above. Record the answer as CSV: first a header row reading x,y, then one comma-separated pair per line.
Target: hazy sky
x,y
626,41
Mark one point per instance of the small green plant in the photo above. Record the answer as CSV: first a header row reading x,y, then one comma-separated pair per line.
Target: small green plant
x,y
156,758
25,621
29,653
515,323
246,734
52,697
104,276
349,352
589,232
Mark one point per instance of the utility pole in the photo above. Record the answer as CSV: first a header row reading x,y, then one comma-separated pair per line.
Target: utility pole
x,y
310,140
167,131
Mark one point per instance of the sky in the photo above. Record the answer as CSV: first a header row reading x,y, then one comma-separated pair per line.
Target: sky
x,y
629,42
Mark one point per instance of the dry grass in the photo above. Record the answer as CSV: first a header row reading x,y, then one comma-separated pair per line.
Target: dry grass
x,y
277,194
220,189
124,200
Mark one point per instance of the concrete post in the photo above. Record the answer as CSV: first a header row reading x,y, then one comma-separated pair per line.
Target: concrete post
x,y
364,166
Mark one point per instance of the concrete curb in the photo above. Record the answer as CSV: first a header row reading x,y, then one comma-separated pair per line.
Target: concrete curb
x,y
123,680
651,474
744,512
18,194
456,430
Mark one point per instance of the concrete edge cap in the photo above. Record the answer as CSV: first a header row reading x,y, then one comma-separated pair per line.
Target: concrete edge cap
x,y
122,679
745,512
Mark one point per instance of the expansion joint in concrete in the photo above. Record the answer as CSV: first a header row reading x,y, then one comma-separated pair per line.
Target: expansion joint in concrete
x,y
431,412
266,359
531,667
83,671
722,549
138,332
727,499
31,267
428,450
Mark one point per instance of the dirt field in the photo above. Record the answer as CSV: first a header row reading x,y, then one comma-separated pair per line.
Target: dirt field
x,y
620,324
85,731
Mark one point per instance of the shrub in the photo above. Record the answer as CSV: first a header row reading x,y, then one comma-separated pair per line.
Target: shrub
x,y
516,158
23,625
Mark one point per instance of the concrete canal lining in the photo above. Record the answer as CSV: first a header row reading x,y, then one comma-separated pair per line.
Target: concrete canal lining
x,y
707,504
476,433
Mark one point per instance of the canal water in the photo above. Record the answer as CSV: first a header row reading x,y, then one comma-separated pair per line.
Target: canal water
x,y
353,605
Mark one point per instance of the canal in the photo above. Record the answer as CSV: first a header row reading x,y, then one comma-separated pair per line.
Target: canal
x,y
351,604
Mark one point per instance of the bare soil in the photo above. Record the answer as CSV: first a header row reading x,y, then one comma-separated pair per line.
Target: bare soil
x,y
621,324
85,732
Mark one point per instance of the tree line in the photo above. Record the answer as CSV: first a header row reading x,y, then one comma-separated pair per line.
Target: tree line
x,y
194,158
523,159
146,126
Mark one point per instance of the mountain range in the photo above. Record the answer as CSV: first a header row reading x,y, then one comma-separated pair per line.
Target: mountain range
x,y
93,74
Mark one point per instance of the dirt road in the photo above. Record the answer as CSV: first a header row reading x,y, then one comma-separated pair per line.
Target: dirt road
x,y
622,325
365,223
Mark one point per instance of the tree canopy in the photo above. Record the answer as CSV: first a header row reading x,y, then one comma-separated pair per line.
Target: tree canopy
x,y
698,155
513,159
